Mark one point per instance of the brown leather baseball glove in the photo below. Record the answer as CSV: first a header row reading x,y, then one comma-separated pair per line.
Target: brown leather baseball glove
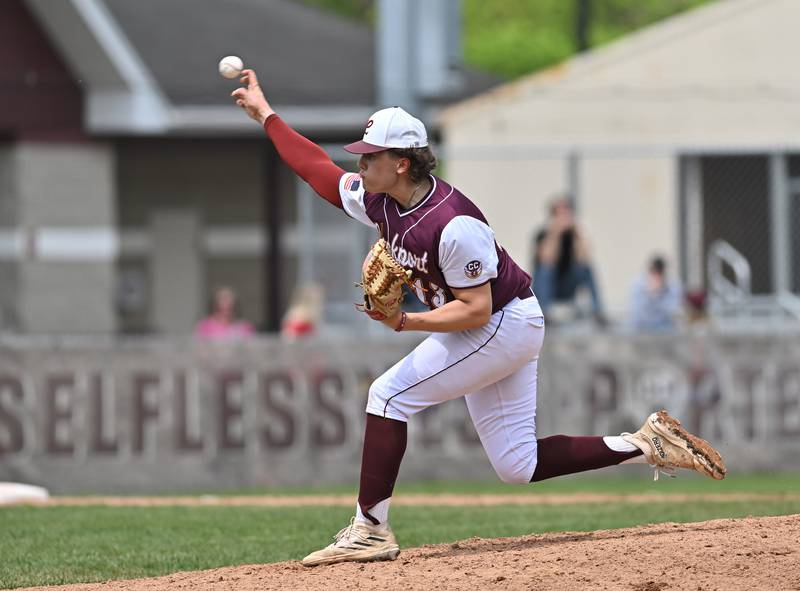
x,y
382,279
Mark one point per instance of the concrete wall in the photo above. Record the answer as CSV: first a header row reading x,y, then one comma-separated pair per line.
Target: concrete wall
x,y
175,415
63,196
630,209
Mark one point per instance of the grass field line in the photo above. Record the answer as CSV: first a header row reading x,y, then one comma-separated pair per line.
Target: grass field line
x,y
452,500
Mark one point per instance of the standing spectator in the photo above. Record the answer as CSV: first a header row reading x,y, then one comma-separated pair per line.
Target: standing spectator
x,y
655,301
561,261
222,322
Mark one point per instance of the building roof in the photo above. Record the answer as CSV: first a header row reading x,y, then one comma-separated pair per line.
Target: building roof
x,y
150,66
306,56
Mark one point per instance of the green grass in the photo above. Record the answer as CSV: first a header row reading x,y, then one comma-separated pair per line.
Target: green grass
x,y
56,545
636,479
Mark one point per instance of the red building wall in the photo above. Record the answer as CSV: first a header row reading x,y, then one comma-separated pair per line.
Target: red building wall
x,y
39,97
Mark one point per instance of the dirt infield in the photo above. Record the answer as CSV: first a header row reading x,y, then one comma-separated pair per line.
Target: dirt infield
x,y
725,554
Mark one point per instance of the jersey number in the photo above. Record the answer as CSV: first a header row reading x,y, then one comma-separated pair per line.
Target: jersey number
x,y
433,295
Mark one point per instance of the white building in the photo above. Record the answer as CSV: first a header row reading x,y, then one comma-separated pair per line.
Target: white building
x,y
670,139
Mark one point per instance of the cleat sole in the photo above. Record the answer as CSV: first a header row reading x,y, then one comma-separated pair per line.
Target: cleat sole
x,y
708,457
389,554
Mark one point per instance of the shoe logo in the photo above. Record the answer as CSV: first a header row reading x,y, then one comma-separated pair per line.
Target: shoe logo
x,y
657,443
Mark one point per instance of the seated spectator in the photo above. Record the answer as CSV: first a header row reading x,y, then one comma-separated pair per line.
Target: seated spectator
x,y
222,322
561,264
655,301
304,313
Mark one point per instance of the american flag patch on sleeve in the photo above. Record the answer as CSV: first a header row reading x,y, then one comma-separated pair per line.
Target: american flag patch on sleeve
x,y
352,183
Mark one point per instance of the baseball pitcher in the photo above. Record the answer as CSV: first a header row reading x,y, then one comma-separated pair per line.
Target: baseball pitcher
x,y
486,325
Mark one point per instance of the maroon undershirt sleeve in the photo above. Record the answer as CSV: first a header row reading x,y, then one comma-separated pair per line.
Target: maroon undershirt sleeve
x,y
306,159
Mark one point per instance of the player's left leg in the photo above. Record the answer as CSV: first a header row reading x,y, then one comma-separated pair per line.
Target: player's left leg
x,y
369,537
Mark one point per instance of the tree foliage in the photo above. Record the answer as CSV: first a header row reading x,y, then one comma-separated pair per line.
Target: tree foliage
x,y
511,38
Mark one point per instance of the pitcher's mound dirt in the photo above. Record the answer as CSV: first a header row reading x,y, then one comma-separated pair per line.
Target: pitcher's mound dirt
x,y
725,554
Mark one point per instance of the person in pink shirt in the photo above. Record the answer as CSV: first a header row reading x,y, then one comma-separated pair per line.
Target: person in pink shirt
x,y
222,323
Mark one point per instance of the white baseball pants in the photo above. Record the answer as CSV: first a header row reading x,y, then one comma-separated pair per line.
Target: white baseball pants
x,y
493,367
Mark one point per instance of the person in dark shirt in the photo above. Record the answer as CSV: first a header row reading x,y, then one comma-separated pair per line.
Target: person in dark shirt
x,y
561,264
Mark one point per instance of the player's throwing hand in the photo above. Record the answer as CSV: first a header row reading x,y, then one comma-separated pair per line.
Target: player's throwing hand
x,y
251,98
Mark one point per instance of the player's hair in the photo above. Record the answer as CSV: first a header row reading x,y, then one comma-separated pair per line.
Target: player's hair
x,y
422,161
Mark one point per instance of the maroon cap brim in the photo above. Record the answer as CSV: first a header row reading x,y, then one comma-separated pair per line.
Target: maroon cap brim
x,y
362,147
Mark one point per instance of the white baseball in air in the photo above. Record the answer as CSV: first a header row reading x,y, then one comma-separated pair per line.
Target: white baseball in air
x,y
231,66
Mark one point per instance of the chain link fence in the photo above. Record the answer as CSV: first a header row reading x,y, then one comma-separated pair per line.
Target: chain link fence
x,y
750,219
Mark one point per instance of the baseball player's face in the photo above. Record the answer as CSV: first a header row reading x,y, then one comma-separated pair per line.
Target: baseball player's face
x,y
379,171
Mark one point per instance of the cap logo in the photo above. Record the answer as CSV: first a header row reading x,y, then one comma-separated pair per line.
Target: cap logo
x,y
473,269
369,124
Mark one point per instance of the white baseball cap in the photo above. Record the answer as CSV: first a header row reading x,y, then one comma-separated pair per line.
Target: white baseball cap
x,y
390,128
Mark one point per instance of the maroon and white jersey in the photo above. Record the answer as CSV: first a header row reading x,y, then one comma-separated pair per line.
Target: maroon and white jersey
x,y
444,239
